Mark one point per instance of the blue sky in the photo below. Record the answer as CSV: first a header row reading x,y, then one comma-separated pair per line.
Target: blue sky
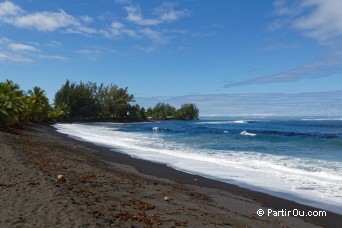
x,y
269,57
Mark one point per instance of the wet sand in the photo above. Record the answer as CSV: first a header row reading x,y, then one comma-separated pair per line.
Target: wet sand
x,y
103,188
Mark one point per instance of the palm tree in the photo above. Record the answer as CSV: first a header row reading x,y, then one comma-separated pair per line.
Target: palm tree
x,y
38,104
59,112
4,105
12,103
13,86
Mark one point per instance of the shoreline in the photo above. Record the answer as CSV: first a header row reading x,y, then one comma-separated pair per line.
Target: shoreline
x,y
164,171
140,181
263,188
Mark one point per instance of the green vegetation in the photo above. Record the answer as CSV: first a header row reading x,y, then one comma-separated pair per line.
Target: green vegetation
x,y
81,101
59,112
187,112
85,101
164,111
38,104
18,107
161,111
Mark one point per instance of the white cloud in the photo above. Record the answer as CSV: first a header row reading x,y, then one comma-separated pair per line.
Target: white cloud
x,y
7,8
131,33
3,56
53,57
87,19
21,47
117,29
164,13
45,21
318,19
319,68
15,52
11,51
81,30
135,26
135,16
54,43
20,59
323,22
281,8
167,13
91,54
117,25
4,40
155,36
325,66
13,57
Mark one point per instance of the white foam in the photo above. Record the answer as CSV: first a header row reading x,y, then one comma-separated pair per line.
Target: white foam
x,y
247,133
313,182
240,121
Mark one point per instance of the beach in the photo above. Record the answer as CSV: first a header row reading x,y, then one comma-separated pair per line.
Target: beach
x,y
104,188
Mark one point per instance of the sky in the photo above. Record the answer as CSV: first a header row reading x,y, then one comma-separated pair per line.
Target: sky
x,y
234,57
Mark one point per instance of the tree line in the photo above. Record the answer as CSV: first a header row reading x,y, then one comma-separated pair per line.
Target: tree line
x,y
81,101
165,111
17,106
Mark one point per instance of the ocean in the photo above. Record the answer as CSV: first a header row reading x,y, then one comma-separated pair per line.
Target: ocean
x,y
299,159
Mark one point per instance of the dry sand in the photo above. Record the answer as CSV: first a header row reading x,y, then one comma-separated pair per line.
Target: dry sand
x,y
108,189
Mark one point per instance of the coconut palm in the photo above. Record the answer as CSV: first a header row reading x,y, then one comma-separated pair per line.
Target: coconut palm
x,y
38,104
60,112
12,103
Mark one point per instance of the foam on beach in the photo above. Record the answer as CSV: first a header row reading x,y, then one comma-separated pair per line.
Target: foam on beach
x,y
312,182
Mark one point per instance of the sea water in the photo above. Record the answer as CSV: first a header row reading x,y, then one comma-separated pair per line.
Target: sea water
x,y
296,159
